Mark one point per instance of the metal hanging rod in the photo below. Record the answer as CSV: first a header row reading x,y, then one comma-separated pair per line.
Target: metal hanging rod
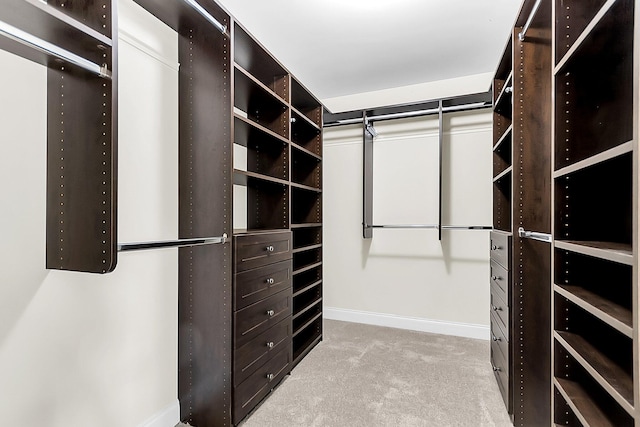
x,y
180,243
467,227
408,114
402,226
432,226
202,11
45,47
523,33
542,237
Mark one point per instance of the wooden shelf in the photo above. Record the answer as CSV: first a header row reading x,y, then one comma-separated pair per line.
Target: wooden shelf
x,y
243,127
305,151
252,57
259,84
306,288
612,378
614,315
300,351
584,408
306,187
308,307
243,178
307,268
301,116
502,174
597,159
503,96
305,103
306,324
307,248
616,252
306,225
597,19
503,138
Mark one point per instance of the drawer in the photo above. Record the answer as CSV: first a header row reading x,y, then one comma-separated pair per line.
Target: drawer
x,y
499,248
248,394
500,309
253,320
253,285
256,352
499,276
256,250
501,372
498,339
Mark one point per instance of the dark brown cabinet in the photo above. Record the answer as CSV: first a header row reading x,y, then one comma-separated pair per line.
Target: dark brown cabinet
x,y
520,269
263,304
595,187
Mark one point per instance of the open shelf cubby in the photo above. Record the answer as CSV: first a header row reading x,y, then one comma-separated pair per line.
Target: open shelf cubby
x,y
306,135
306,169
304,259
306,237
572,18
267,202
264,153
594,106
305,103
257,62
604,191
599,286
589,402
310,277
502,203
306,207
603,352
260,105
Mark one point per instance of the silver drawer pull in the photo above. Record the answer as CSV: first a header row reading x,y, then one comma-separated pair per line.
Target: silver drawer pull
x,y
270,377
270,248
494,338
270,313
270,344
496,369
494,308
495,247
270,281
496,278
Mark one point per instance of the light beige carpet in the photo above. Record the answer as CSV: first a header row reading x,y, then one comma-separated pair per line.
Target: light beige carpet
x,y
370,376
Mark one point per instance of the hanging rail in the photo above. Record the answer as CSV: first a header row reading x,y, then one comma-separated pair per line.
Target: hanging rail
x,y
47,48
408,114
201,10
179,243
542,237
523,33
431,226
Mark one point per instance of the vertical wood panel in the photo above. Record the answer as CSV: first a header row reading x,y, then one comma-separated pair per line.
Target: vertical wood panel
x,y
205,301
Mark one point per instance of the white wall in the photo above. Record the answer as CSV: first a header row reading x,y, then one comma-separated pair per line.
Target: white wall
x,y
407,278
79,349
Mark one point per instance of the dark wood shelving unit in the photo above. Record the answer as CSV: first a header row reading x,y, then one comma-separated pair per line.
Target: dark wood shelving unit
x,y
595,213
75,44
520,268
279,124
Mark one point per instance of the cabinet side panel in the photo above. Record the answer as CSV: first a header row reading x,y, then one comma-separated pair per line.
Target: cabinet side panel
x,y
205,300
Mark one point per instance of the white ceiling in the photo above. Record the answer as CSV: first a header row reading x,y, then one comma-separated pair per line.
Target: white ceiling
x,y
344,47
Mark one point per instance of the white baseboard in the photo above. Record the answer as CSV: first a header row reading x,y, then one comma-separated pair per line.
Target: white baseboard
x,y
169,417
410,323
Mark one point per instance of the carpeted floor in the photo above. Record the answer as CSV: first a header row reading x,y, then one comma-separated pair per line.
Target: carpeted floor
x,y
369,376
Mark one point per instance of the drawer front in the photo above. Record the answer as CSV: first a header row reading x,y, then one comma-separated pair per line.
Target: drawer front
x,y
260,283
253,320
260,349
256,250
498,339
501,372
499,276
248,394
499,309
499,248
